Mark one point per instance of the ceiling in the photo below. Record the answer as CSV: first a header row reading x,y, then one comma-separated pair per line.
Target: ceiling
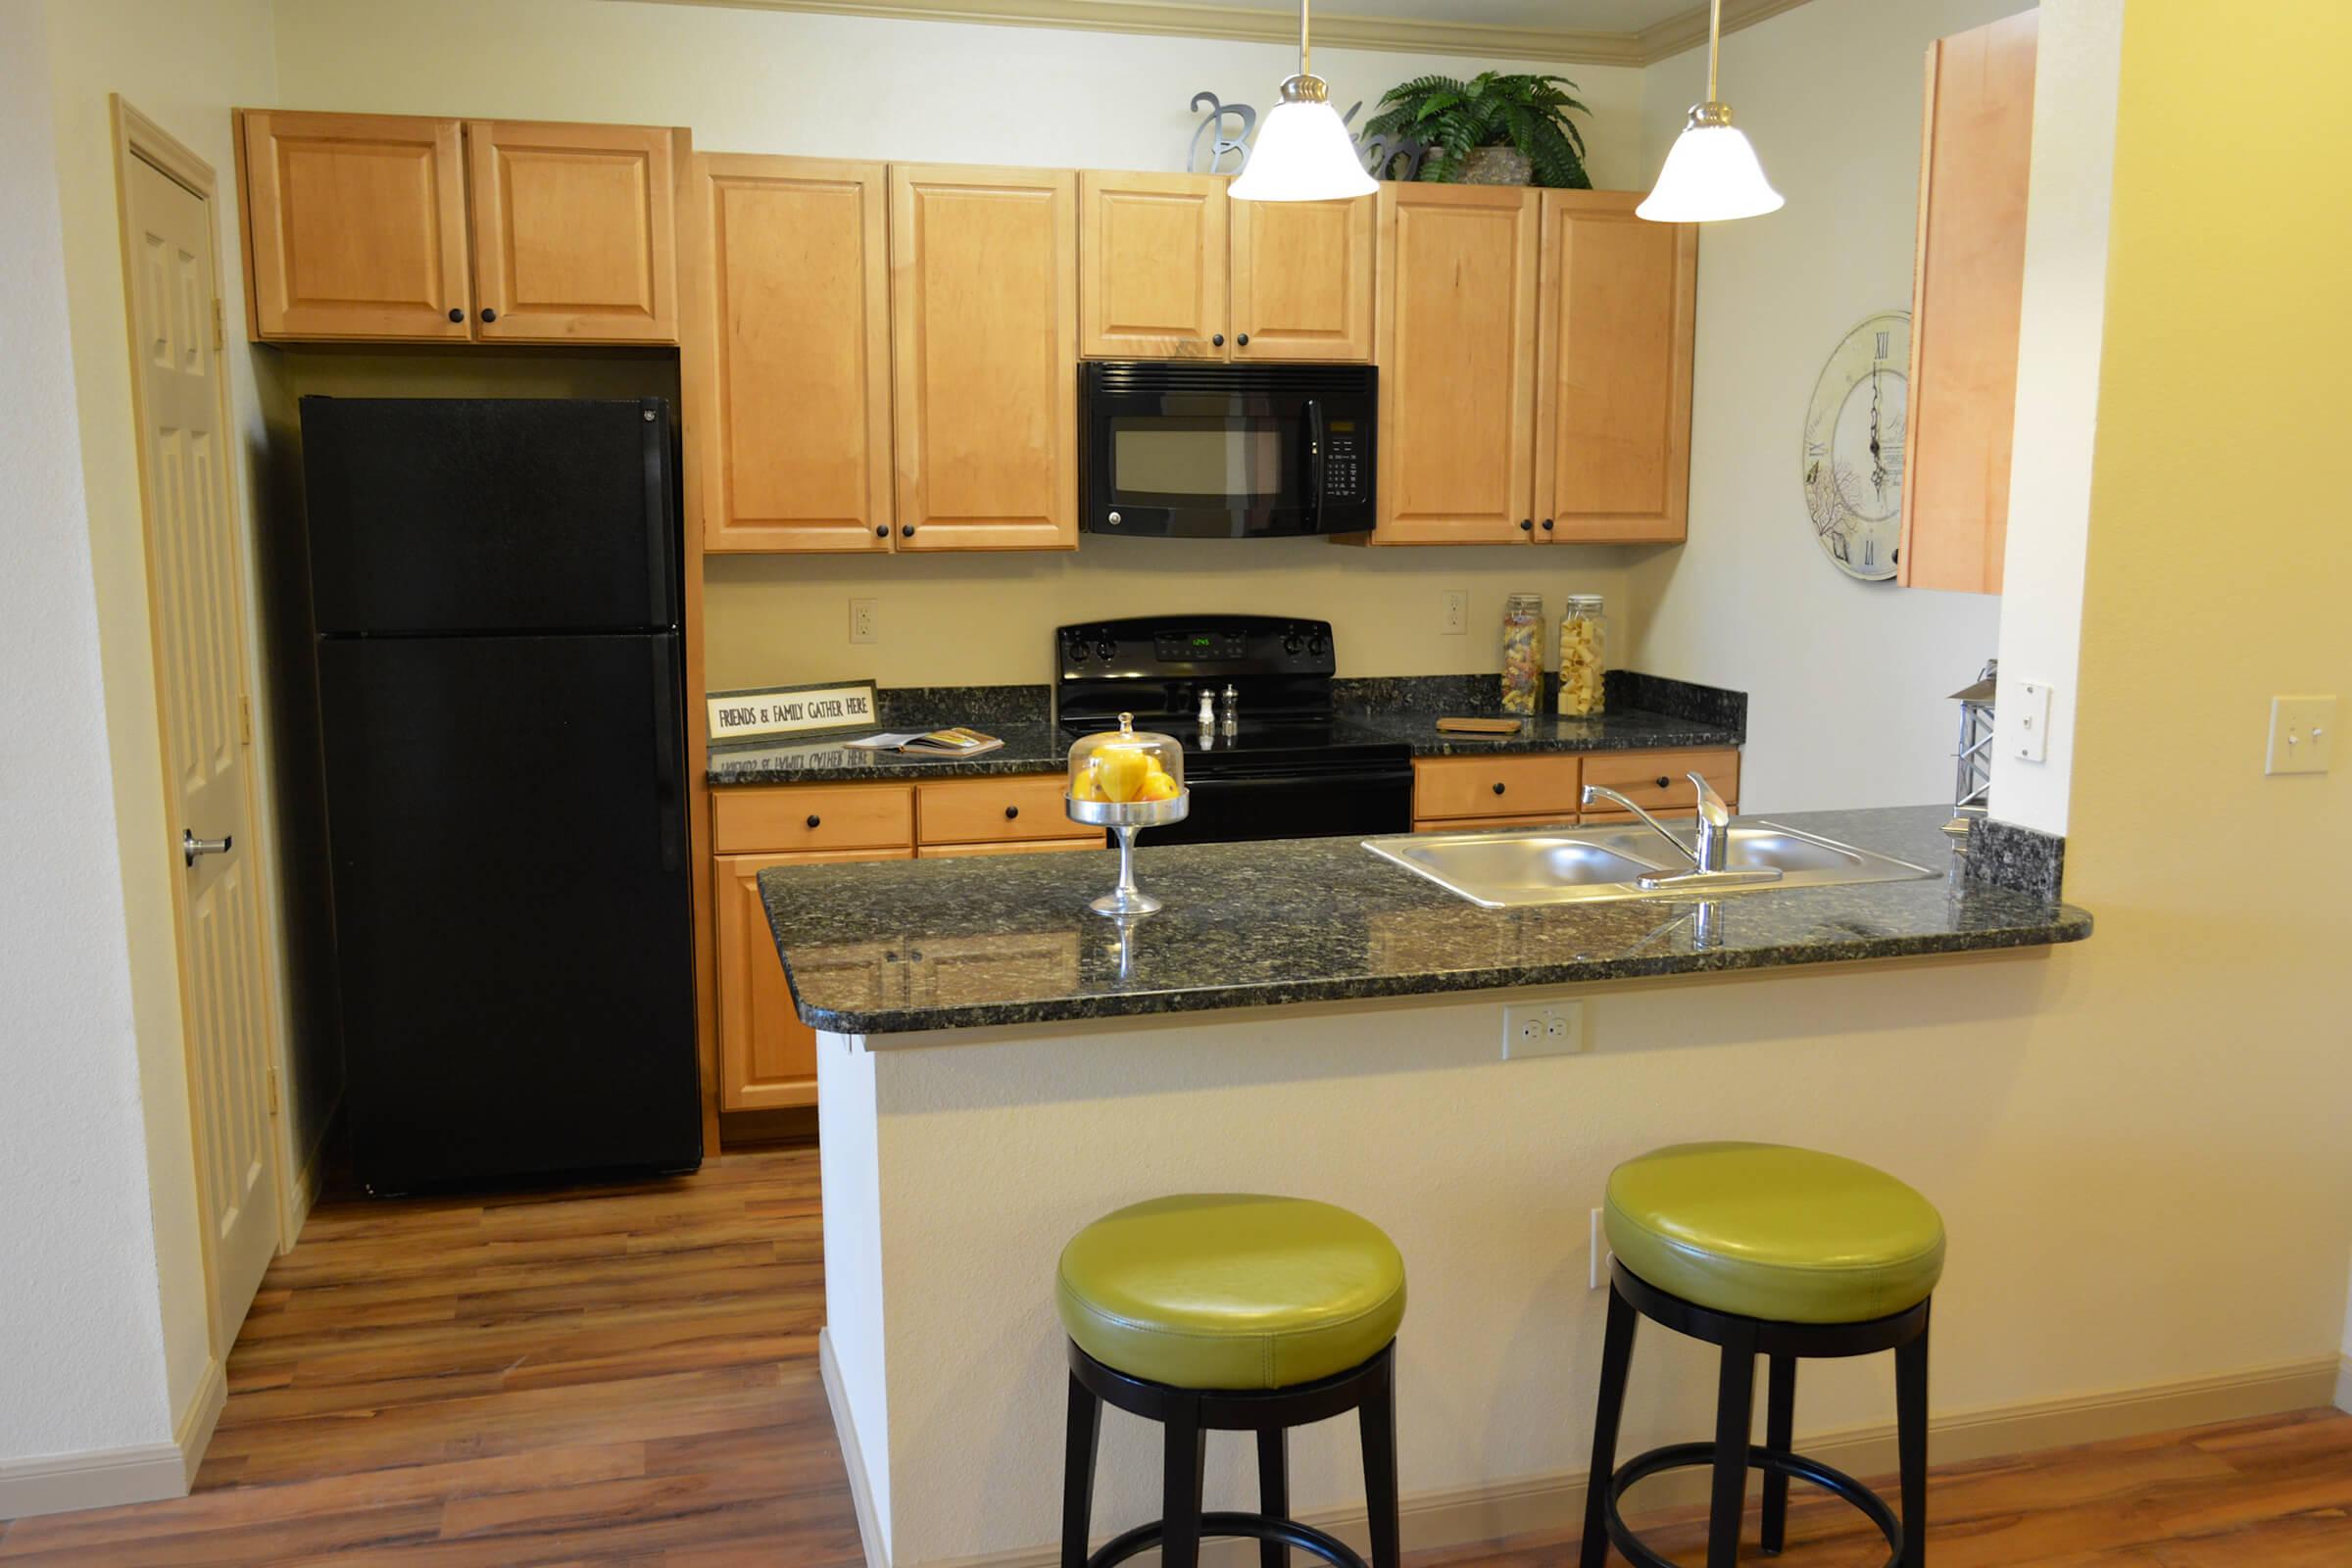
x,y
1622,32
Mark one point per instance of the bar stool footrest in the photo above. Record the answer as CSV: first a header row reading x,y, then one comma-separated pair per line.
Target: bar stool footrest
x,y
1248,1526
1774,1461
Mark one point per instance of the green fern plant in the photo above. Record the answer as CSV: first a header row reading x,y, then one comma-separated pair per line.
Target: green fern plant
x,y
1453,118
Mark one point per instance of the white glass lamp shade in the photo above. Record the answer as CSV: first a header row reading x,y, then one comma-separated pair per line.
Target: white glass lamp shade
x,y
1711,174
1302,154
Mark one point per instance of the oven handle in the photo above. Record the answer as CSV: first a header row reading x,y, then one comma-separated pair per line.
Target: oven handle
x,y
1353,778
1314,460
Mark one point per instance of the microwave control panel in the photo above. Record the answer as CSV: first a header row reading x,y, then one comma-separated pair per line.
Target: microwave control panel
x,y
1343,462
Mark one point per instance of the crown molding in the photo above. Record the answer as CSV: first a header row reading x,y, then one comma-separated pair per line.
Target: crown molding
x,y
1251,25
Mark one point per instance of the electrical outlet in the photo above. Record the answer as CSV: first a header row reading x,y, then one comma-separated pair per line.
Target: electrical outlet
x,y
2302,735
1598,1256
1456,620
861,620
1542,1029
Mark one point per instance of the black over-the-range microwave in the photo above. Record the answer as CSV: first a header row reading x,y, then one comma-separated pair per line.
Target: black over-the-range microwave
x,y
1176,448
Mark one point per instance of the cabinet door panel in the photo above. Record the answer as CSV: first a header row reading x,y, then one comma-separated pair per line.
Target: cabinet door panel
x,y
768,1056
1302,280
1967,297
788,347
984,318
1613,399
1457,363
574,232
354,227
1152,283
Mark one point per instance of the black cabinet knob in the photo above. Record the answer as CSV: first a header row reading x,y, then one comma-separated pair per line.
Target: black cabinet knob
x,y
882,530
1527,525
813,819
1664,781
1242,340
1218,339
1012,812
1547,526
906,531
1498,789
489,315
456,315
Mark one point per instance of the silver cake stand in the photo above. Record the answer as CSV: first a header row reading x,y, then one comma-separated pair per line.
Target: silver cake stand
x,y
1125,817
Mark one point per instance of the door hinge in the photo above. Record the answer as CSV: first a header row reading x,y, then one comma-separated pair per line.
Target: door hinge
x,y
244,720
273,1075
219,325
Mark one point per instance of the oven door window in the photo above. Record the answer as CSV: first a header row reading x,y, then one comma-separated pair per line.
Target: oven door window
x,y
1195,460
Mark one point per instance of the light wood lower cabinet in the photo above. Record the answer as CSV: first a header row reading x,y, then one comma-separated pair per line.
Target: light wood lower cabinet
x,y
1544,789
1009,809
768,1055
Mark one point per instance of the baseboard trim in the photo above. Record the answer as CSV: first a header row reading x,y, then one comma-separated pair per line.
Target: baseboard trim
x,y
192,1433
99,1478
853,1458
2343,1385
1541,1504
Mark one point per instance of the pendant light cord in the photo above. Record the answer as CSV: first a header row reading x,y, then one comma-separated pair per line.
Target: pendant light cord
x,y
1714,40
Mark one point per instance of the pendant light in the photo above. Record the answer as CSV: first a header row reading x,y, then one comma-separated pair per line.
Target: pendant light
x,y
1711,172
1303,152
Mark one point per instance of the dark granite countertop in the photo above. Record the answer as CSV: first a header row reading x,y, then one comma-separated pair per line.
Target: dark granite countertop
x,y
1645,713
888,948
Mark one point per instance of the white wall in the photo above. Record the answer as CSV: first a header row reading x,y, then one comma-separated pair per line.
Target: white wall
x,y
1846,680
2064,310
82,1348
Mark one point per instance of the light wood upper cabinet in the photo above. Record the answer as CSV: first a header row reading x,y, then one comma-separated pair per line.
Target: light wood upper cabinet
x,y
1153,265
787,352
1303,274
375,228
1457,362
1964,306
1613,376
573,232
354,227
984,318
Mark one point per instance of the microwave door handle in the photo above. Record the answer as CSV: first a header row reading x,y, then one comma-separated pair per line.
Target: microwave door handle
x,y
1314,459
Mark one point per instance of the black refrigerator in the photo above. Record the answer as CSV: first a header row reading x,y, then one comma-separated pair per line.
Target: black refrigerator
x,y
495,588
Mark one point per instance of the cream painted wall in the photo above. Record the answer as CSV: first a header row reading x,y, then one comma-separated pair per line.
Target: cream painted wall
x,y
750,80
81,1342
184,66
1846,680
2063,310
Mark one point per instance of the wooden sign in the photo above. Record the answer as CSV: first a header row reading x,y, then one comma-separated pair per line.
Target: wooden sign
x,y
822,710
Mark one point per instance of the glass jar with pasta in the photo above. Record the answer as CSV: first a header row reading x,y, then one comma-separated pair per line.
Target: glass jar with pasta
x,y
1583,657
1523,654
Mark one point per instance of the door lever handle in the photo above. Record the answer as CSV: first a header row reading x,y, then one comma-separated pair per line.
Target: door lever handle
x,y
190,846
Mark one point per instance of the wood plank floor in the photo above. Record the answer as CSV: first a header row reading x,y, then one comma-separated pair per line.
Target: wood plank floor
x,y
629,1376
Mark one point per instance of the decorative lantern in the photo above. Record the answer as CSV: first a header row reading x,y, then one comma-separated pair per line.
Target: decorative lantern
x,y
1971,780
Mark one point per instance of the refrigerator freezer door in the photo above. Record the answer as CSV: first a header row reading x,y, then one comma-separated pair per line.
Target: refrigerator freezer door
x,y
508,836
464,515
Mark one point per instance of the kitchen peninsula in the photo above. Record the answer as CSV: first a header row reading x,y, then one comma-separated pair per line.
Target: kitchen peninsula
x,y
999,1067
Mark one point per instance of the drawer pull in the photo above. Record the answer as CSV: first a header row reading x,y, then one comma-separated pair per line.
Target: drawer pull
x,y
1498,787
814,820
1012,812
1664,782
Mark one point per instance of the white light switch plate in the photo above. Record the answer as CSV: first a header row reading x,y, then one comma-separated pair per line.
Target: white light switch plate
x,y
2302,735
2026,709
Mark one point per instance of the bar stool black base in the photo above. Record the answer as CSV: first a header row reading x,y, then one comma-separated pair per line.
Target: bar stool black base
x,y
1730,1456
1773,1462
1189,1415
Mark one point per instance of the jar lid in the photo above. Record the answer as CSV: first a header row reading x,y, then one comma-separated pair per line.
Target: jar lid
x,y
1584,600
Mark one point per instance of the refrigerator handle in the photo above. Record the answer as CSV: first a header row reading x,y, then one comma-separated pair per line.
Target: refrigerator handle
x,y
658,530
666,764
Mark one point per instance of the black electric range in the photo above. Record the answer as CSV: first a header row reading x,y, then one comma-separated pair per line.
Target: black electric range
x,y
1277,763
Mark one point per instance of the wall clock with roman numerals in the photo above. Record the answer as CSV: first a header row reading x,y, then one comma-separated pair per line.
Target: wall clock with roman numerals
x,y
1853,448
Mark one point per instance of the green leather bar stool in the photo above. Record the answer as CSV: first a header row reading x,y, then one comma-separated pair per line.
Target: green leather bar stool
x,y
1765,1250
1230,1312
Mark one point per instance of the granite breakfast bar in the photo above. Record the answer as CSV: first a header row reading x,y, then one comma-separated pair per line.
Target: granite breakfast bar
x,y
997,1066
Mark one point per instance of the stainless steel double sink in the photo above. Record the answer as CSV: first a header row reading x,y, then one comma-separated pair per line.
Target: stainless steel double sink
x,y
1519,867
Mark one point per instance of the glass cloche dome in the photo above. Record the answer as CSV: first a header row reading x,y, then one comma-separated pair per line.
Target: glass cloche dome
x,y
1126,766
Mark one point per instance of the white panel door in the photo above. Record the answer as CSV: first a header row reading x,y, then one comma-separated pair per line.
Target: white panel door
x,y
196,585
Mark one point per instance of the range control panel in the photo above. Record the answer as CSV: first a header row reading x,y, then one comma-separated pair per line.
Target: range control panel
x,y
1154,646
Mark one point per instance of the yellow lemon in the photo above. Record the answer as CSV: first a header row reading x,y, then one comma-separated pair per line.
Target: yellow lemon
x,y
1121,771
1157,786
1085,788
